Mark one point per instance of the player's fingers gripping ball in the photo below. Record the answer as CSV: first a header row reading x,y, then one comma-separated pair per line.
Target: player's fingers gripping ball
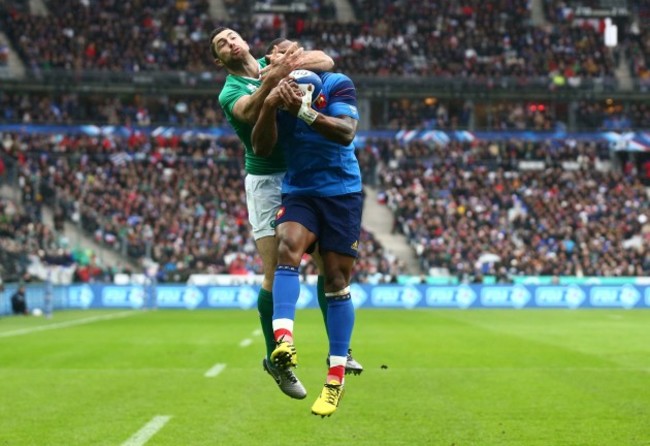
x,y
305,79
311,85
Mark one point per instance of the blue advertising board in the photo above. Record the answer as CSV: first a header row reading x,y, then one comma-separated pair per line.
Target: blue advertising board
x,y
190,297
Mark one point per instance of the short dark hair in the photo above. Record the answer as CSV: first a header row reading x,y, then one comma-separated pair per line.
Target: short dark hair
x,y
274,42
213,34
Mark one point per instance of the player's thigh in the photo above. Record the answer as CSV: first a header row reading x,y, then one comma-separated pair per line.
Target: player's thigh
x,y
340,226
263,199
297,224
339,238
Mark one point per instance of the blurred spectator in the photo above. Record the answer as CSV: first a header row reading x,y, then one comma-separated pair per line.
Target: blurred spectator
x,y
19,301
4,53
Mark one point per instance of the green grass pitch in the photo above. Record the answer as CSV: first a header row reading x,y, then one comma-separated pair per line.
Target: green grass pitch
x,y
432,377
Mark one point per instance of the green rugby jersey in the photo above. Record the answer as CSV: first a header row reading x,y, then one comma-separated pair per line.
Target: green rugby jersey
x,y
234,88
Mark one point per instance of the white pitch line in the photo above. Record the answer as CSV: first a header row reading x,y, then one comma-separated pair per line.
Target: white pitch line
x,y
245,342
215,370
148,430
66,324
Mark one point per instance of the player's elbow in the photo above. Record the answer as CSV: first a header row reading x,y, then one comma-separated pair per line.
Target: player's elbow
x,y
347,136
260,149
328,63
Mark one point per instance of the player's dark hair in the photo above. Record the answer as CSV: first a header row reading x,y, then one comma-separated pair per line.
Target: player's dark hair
x,y
274,42
213,34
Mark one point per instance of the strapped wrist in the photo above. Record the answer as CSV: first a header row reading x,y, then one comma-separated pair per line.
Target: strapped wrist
x,y
307,114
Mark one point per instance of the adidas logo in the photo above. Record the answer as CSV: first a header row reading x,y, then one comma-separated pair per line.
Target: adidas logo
x,y
355,245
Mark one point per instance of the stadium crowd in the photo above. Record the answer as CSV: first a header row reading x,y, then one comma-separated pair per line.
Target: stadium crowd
x,y
547,208
98,109
178,201
544,208
401,114
468,208
473,41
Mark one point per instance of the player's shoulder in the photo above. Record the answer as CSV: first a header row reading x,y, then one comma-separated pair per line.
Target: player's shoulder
x,y
334,77
232,89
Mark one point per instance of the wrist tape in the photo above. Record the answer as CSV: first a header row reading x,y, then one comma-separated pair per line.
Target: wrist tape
x,y
307,114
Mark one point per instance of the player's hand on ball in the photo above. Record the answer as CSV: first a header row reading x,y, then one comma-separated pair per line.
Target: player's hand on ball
x,y
291,94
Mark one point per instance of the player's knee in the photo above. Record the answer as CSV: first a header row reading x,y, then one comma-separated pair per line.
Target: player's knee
x,y
289,251
336,282
342,294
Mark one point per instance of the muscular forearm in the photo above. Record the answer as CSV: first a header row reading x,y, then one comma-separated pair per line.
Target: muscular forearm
x,y
338,130
316,60
253,105
265,132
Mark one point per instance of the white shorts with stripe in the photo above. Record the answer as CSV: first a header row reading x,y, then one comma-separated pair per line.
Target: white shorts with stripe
x,y
263,199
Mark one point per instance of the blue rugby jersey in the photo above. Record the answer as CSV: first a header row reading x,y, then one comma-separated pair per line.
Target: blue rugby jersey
x,y
317,166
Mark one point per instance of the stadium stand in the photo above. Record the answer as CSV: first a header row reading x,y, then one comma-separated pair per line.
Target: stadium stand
x,y
179,202
102,109
178,198
560,212
388,39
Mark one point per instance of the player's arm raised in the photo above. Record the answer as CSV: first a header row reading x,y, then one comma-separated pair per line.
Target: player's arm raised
x,y
313,60
247,108
265,131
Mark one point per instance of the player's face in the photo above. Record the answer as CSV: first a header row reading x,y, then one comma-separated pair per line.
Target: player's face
x,y
230,46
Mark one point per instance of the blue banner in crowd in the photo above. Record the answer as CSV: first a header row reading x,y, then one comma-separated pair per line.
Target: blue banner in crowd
x,y
628,141
363,296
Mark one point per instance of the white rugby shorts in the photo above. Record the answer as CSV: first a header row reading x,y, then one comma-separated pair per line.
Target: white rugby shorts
x,y
263,199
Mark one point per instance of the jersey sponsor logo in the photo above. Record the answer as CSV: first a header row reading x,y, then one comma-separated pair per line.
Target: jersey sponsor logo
x,y
252,88
355,245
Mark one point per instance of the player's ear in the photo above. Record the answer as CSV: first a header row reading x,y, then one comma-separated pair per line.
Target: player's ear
x,y
218,62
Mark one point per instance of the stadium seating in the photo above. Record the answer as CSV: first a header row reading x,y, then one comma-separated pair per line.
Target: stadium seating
x,y
387,39
557,213
178,201
467,209
98,109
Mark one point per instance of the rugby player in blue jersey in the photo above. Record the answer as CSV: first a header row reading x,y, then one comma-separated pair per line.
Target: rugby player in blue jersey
x,y
322,203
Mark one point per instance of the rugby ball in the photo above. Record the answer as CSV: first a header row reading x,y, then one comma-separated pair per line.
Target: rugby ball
x,y
304,78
